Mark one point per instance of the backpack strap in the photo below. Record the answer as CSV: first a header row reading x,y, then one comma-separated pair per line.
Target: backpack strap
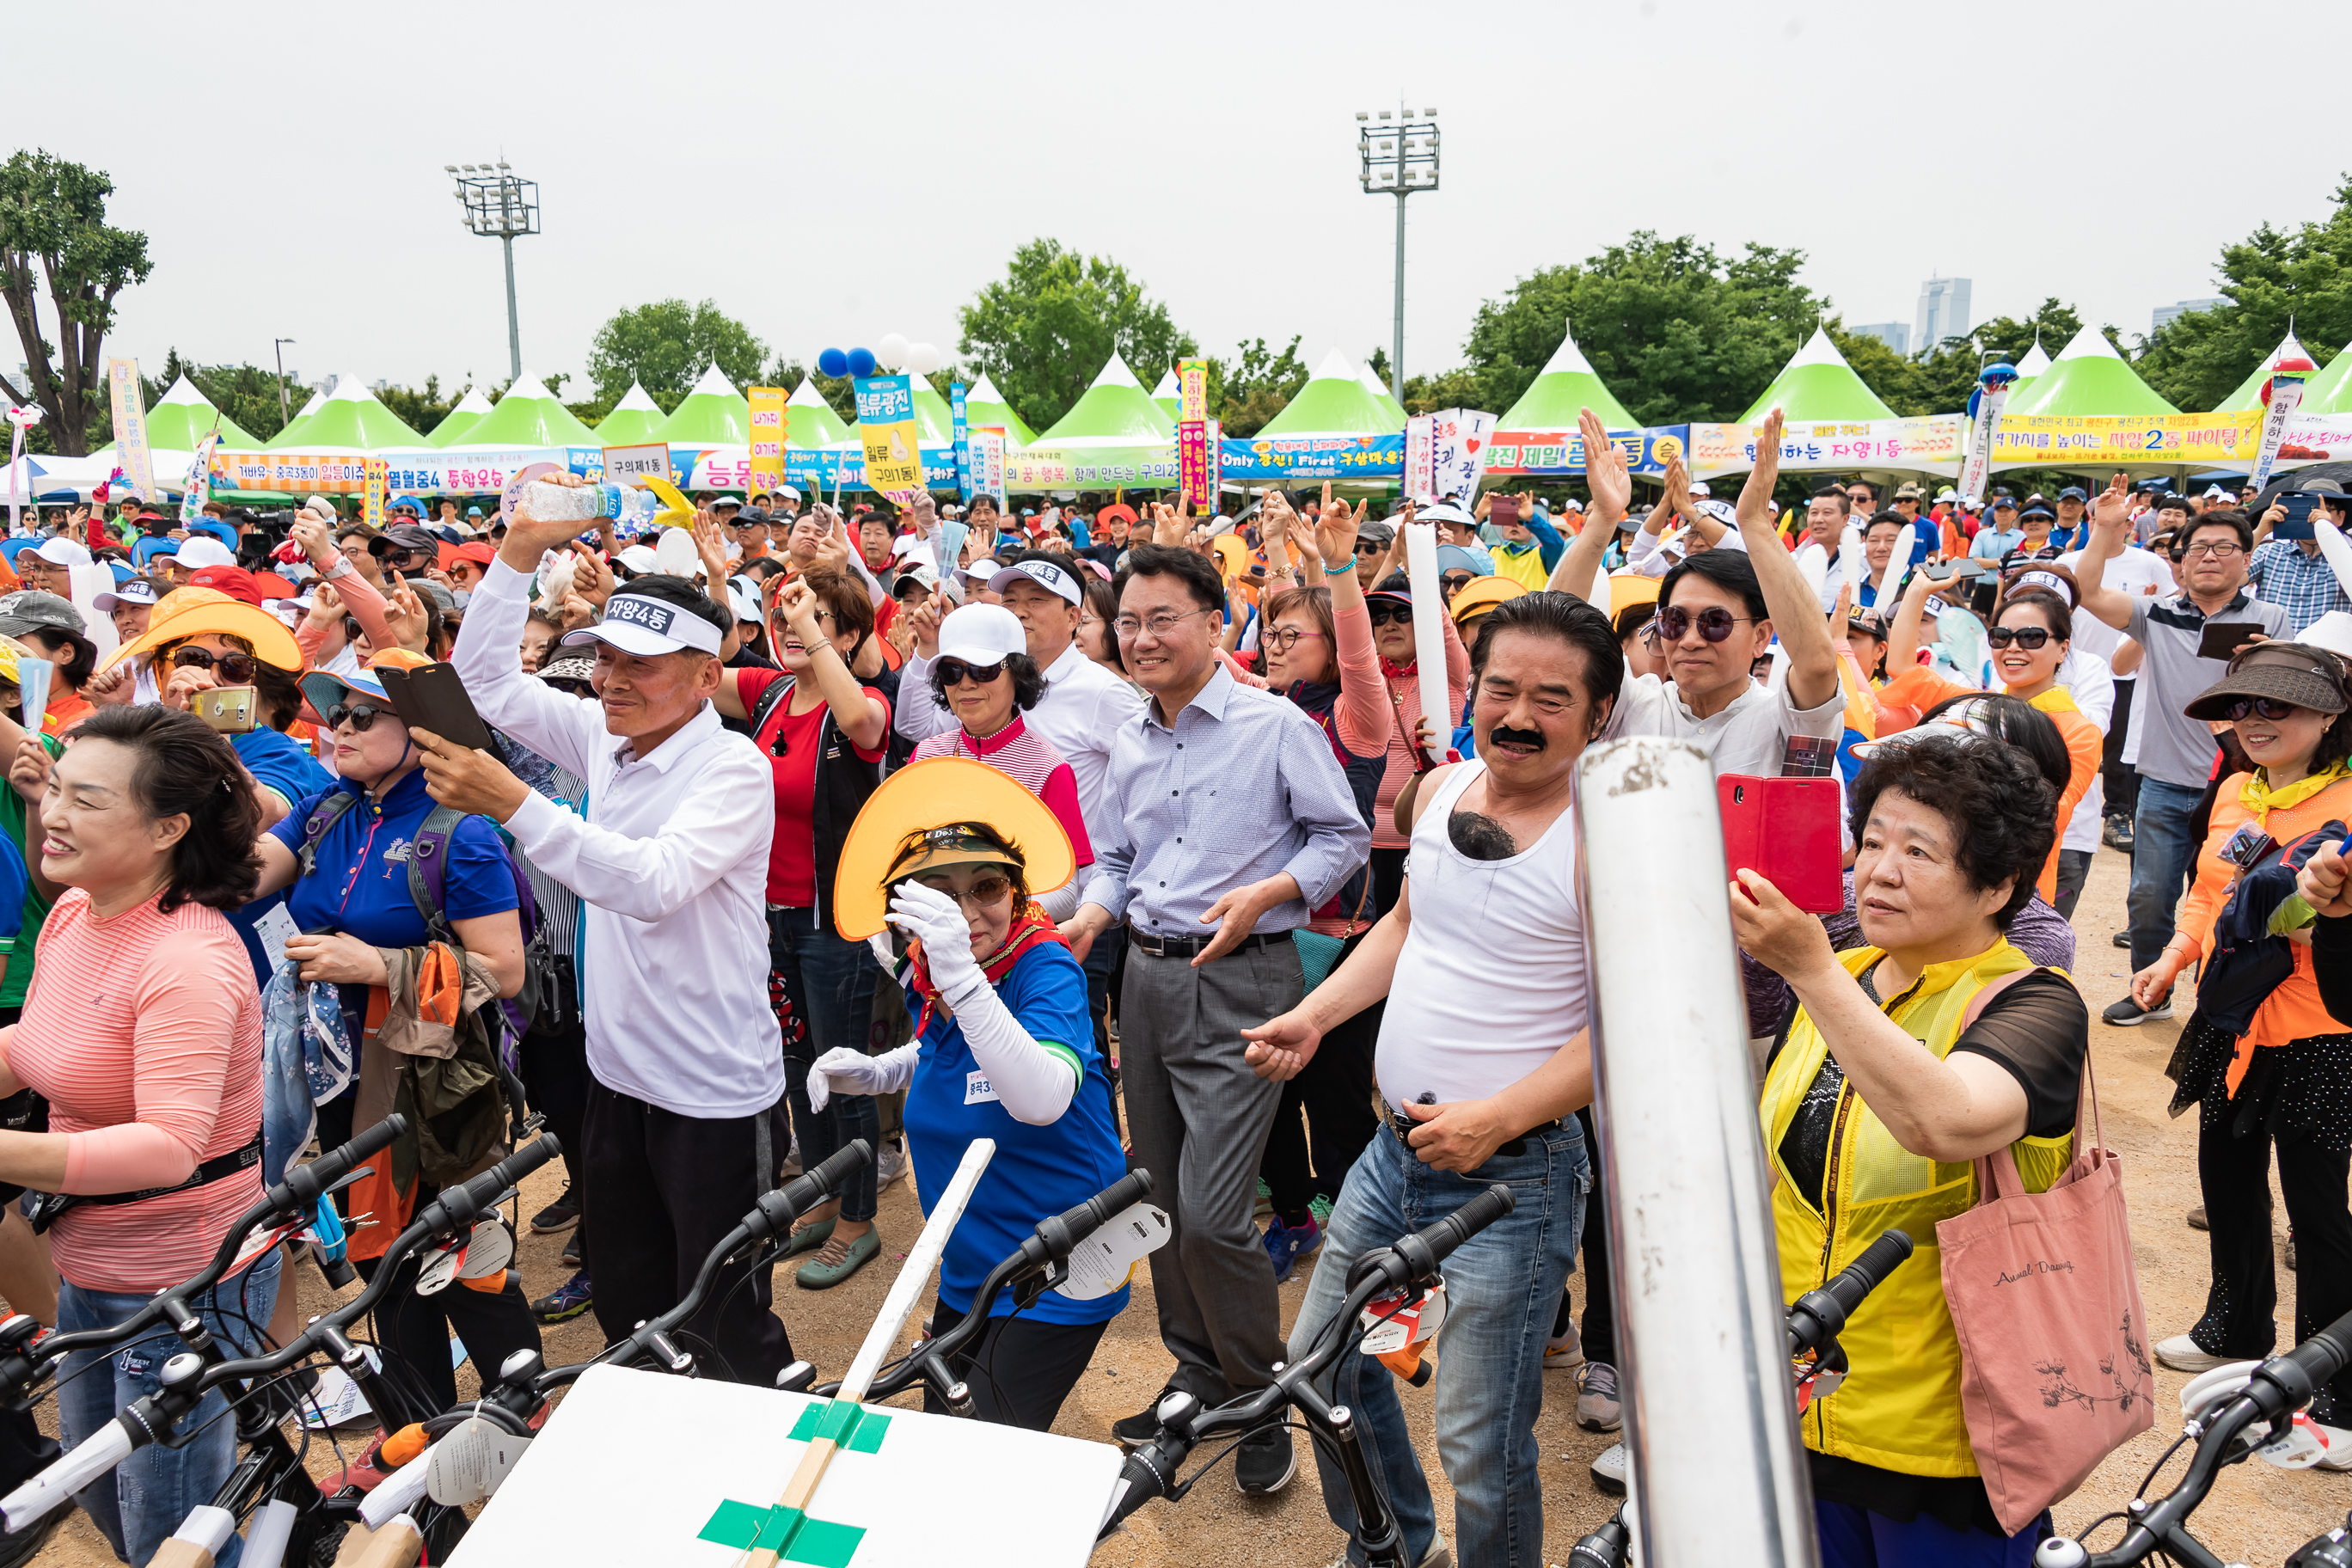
x,y
428,870
322,817
777,691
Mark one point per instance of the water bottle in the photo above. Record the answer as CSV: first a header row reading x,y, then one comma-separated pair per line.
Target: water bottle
x,y
628,506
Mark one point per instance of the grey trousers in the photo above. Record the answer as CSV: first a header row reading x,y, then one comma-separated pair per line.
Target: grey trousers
x,y
1198,1120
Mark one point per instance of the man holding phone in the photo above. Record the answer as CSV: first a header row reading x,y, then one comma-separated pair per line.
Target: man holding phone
x,y
2287,568
2182,634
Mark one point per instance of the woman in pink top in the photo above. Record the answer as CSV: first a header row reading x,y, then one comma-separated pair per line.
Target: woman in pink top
x,y
1319,649
985,676
143,1029
1391,605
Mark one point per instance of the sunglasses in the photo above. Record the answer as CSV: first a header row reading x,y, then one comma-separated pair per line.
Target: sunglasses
x,y
361,715
1369,547
1715,623
237,667
2270,708
2027,638
984,892
1387,611
577,688
955,672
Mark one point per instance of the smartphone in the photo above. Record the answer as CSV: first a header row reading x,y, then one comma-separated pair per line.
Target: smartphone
x,y
1503,511
431,697
2296,524
1945,570
1786,831
227,708
2222,639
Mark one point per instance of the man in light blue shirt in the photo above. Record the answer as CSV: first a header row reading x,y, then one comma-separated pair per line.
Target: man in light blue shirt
x,y
2001,535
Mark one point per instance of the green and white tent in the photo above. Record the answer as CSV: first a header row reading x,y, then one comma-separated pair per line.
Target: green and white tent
x,y
810,420
1381,396
289,435
983,405
2330,392
2032,364
713,415
1169,396
183,417
528,415
933,417
2089,380
2248,394
352,420
1816,383
454,425
1114,412
631,421
1332,403
1567,386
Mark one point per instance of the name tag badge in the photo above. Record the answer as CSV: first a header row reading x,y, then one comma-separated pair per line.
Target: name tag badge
x,y
976,1090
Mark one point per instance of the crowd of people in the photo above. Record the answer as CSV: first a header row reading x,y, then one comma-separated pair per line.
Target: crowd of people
x,y
1122,838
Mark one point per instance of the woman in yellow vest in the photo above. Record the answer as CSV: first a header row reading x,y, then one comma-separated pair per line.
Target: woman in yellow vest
x,y
1882,1093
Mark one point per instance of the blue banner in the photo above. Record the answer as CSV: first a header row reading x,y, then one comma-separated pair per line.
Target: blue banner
x,y
1314,457
962,442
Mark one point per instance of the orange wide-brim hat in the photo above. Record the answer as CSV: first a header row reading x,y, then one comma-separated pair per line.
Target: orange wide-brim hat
x,y
190,612
898,833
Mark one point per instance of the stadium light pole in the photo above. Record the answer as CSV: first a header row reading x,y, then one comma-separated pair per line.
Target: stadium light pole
x,y
503,205
1397,155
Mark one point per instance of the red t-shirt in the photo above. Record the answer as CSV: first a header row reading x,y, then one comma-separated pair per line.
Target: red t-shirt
x,y
791,854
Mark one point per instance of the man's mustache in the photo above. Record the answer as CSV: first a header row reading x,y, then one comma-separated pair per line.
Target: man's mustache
x,y
1504,735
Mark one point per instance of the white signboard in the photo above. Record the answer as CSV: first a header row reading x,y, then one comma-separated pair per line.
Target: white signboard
x,y
630,464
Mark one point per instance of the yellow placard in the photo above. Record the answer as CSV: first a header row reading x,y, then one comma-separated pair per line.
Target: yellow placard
x,y
770,420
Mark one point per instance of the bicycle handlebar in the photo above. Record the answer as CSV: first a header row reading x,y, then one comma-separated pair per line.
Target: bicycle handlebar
x,y
1816,1317
305,1184
186,1378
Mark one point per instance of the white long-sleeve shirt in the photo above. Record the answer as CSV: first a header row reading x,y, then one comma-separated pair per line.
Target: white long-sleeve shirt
x,y
671,867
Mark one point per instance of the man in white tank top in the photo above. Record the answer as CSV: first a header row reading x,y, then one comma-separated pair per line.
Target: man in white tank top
x,y
1481,1066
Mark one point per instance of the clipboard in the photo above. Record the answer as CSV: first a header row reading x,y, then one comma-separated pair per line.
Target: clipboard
x,y
431,697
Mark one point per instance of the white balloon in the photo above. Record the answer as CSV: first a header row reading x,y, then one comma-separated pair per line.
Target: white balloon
x,y
923,358
674,553
892,352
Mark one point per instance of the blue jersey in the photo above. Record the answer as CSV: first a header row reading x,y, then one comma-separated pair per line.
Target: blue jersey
x,y
278,763
1037,1171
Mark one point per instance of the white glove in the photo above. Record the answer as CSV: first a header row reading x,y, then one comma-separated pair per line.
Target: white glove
x,y
939,921
846,1071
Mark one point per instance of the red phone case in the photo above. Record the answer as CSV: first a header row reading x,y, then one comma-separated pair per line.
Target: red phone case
x,y
1786,831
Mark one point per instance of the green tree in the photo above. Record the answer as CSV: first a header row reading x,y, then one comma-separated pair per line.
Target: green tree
x,y
1248,391
420,408
1045,330
53,219
1677,331
2271,278
666,346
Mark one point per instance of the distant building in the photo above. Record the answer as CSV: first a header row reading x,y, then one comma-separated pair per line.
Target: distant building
x,y
1896,335
2164,315
1943,311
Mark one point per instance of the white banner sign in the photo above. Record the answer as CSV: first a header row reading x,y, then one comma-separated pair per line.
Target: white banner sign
x,y
2286,396
1458,452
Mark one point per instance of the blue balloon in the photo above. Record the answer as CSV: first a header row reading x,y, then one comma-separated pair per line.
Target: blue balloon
x,y
861,362
833,362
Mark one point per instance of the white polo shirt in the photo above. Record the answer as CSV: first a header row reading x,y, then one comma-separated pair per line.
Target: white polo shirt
x,y
2135,574
671,867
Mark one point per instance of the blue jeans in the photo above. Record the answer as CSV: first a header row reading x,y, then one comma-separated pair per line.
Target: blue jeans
x,y
831,980
1855,1537
2164,857
1501,1291
150,1494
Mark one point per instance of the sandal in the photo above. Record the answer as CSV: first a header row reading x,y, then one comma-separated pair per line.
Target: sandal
x,y
838,1260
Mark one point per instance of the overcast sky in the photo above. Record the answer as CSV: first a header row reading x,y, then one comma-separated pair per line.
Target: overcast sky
x,y
829,175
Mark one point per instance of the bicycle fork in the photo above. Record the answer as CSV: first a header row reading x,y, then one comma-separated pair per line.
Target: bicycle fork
x,y
1376,1523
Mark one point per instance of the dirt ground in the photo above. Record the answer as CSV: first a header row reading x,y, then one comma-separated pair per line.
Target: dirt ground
x,y
2256,1515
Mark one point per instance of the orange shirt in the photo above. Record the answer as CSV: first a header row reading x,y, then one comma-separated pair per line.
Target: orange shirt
x,y
2293,1011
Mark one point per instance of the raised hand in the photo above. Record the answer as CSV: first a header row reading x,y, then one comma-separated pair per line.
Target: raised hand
x,y
1753,513
592,579
1604,469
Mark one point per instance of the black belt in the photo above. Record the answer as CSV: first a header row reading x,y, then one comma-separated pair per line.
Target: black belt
x,y
1193,946
1402,1127
49,1206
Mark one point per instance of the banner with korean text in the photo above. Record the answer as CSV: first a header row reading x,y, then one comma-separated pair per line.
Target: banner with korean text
x,y
130,409
2063,441
767,426
1544,453
889,436
1930,445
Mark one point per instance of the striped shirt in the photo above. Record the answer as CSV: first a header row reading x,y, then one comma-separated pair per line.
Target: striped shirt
x,y
145,1032
1028,756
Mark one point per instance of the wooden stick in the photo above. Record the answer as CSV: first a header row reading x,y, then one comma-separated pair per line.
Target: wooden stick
x,y
883,1337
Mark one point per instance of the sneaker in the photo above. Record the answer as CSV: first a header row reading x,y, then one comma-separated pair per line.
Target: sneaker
x,y
1320,1207
1287,1243
1265,1197
1134,1431
2121,938
1565,1354
2182,1354
2127,1014
2197,1218
2118,834
559,1216
1265,1461
890,1164
809,1237
792,1159
571,1256
20,1550
1597,1408
1439,1555
1609,1469
566,1301
838,1259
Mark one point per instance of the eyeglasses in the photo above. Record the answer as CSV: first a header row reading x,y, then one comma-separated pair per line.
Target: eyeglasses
x,y
237,667
360,715
2270,708
985,891
1387,611
2214,551
955,672
2026,637
1162,623
1282,639
1715,623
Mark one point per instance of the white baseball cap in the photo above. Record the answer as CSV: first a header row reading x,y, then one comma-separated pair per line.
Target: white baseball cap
x,y
644,626
199,550
639,558
1046,574
786,493
60,551
982,634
